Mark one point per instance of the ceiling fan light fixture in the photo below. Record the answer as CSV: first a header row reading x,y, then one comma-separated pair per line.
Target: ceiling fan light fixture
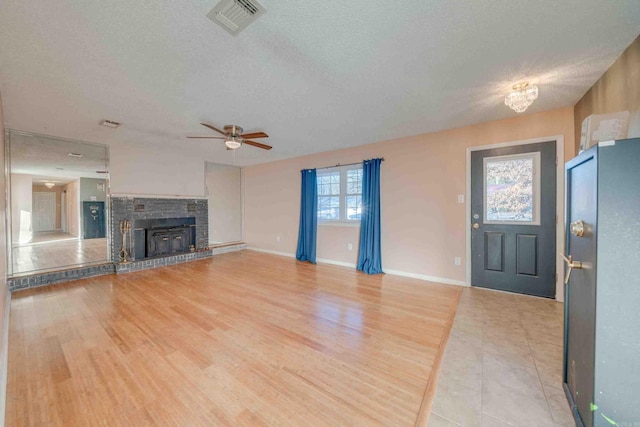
x,y
521,97
232,143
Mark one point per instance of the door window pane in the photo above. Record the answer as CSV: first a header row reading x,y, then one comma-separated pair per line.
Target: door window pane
x,y
511,188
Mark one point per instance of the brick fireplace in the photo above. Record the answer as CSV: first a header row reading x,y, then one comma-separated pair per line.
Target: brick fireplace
x,y
160,227
163,231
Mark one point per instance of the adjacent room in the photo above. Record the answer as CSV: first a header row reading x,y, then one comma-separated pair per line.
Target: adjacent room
x,y
263,213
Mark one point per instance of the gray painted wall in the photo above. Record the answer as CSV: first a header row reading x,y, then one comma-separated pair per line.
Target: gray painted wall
x,y
89,187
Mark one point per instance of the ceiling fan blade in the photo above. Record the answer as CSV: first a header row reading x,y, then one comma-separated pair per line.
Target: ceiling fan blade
x,y
206,137
255,135
213,128
257,144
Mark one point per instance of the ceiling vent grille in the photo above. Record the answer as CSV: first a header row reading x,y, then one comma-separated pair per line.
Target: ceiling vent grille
x,y
110,124
235,15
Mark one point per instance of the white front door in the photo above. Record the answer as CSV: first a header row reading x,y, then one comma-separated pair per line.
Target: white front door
x,y
44,211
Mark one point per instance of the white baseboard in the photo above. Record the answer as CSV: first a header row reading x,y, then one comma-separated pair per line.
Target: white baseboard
x,y
426,278
229,248
269,251
4,358
387,271
332,262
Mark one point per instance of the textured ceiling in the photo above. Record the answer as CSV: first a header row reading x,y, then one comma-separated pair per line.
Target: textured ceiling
x,y
315,75
48,158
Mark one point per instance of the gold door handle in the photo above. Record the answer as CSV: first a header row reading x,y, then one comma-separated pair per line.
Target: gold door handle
x,y
476,226
571,264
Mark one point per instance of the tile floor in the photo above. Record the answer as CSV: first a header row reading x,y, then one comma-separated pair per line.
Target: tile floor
x,y
503,364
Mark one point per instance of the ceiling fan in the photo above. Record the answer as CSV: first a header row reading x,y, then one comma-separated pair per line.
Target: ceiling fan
x,y
234,138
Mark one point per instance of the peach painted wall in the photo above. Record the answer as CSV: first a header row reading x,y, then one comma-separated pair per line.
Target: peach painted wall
x,y
423,226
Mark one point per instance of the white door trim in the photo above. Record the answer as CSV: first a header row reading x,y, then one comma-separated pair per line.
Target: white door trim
x,y
559,139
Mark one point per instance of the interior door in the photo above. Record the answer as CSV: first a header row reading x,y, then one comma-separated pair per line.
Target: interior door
x,y
44,211
513,219
580,291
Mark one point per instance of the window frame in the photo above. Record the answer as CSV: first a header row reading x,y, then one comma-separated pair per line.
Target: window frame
x,y
342,220
533,155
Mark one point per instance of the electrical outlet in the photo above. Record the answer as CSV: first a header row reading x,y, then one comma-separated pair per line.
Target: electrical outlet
x,y
460,198
457,260
278,238
350,246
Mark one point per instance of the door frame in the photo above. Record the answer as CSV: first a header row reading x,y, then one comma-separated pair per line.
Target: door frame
x,y
559,140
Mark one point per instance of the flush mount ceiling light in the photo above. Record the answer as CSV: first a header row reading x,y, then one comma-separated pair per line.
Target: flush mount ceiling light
x,y
232,143
49,184
521,97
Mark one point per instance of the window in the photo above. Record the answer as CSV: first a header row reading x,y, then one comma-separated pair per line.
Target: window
x,y
340,193
512,189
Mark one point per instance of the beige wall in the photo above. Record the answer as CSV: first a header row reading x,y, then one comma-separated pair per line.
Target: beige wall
x,y
72,208
617,90
21,207
152,169
225,203
4,292
58,190
423,226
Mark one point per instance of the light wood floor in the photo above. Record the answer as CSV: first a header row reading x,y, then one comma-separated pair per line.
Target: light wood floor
x,y
242,338
48,236
57,254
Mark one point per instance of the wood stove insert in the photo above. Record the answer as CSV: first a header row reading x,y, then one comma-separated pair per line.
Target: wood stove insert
x,y
163,236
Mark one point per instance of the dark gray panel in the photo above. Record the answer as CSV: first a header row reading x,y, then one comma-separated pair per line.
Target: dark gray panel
x,y
494,251
617,381
138,240
527,254
580,293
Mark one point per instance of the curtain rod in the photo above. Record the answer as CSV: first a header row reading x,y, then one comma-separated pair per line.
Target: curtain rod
x,y
345,164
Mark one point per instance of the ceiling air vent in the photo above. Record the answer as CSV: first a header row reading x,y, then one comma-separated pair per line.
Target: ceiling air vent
x,y
110,124
235,15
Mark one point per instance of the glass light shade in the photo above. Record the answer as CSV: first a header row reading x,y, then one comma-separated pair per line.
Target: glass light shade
x,y
49,184
521,97
232,144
